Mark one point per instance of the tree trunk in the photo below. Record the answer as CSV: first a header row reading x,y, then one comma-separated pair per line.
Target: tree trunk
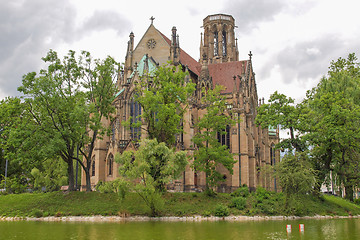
x,y
70,170
87,177
349,193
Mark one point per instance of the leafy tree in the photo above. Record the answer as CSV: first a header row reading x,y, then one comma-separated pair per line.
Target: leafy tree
x,y
295,175
98,81
209,153
51,175
67,102
150,168
163,99
282,111
333,121
16,131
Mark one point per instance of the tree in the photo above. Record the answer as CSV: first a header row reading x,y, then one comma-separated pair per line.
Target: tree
x,y
209,152
16,132
150,168
163,99
98,80
67,101
282,111
333,121
295,174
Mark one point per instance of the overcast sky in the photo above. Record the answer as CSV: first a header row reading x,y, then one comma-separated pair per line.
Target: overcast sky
x,y
292,41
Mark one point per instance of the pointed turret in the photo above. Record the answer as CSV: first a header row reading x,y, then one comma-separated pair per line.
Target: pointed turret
x,y
129,54
174,48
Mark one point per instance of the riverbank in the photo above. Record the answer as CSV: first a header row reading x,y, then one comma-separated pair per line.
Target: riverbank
x,y
99,219
178,206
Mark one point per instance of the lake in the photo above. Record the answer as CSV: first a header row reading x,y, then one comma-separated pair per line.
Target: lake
x,y
221,230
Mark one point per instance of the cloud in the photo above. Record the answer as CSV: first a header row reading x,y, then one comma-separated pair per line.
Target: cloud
x,y
309,59
30,28
105,20
249,13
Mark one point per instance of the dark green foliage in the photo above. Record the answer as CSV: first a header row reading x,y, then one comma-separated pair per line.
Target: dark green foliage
x,y
221,211
37,213
261,194
181,204
238,203
164,94
209,152
241,192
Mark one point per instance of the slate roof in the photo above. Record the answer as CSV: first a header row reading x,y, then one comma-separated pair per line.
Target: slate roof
x,y
221,73
185,59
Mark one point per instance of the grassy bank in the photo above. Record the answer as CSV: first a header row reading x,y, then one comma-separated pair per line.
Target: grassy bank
x,y
174,204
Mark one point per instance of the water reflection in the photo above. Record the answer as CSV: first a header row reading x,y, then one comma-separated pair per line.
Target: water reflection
x,y
314,229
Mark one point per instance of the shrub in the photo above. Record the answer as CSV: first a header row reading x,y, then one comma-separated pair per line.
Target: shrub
x,y
221,211
206,213
357,201
238,203
36,213
261,194
241,192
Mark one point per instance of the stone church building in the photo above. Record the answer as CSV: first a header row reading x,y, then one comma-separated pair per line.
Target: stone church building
x,y
252,146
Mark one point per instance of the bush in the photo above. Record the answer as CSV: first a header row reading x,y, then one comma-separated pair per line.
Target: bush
x,y
206,213
357,201
261,194
36,213
221,211
241,192
238,203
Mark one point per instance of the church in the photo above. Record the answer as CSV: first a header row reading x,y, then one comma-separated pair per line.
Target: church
x,y
253,148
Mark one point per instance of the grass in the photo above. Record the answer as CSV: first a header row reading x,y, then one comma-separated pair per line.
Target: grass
x,y
175,204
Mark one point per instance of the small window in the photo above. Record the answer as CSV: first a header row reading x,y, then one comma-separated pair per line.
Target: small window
x,y
110,164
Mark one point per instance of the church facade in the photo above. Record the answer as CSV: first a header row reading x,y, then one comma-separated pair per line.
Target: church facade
x,y
253,148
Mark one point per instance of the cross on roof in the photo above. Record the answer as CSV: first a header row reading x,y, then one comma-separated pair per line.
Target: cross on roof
x,y
250,55
152,19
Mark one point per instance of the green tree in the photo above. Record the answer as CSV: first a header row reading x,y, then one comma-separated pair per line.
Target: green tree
x,y
333,121
209,153
51,176
163,98
295,174
150,168
98,80
16,132
67,102
281,110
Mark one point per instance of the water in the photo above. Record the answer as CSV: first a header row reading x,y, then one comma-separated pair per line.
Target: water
x,y
252,230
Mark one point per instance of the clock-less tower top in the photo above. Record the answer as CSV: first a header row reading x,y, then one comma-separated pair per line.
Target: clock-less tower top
x,y
218,44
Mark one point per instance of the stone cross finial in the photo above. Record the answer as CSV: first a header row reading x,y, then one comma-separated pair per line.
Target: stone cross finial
x,y
250,55
152,19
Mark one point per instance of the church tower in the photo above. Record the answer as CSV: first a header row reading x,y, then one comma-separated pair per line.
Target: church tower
x,y
218,43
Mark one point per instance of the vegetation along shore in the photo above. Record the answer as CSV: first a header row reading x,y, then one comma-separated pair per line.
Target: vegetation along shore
x,y
237,206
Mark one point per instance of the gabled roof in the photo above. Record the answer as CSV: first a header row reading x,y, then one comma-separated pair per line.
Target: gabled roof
x,y
147,65
185,59
223,73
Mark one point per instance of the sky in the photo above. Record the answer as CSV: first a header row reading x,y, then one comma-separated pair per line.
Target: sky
x,y
292,41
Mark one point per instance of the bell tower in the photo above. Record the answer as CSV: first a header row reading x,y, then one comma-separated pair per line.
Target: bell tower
x,y
218,42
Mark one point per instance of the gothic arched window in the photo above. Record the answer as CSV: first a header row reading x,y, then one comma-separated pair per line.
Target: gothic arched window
x,y
224,138
135,113
224,40
110,163
272,155
216,43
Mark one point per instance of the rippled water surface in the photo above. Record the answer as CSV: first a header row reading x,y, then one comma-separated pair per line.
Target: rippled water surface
x,y
252,230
